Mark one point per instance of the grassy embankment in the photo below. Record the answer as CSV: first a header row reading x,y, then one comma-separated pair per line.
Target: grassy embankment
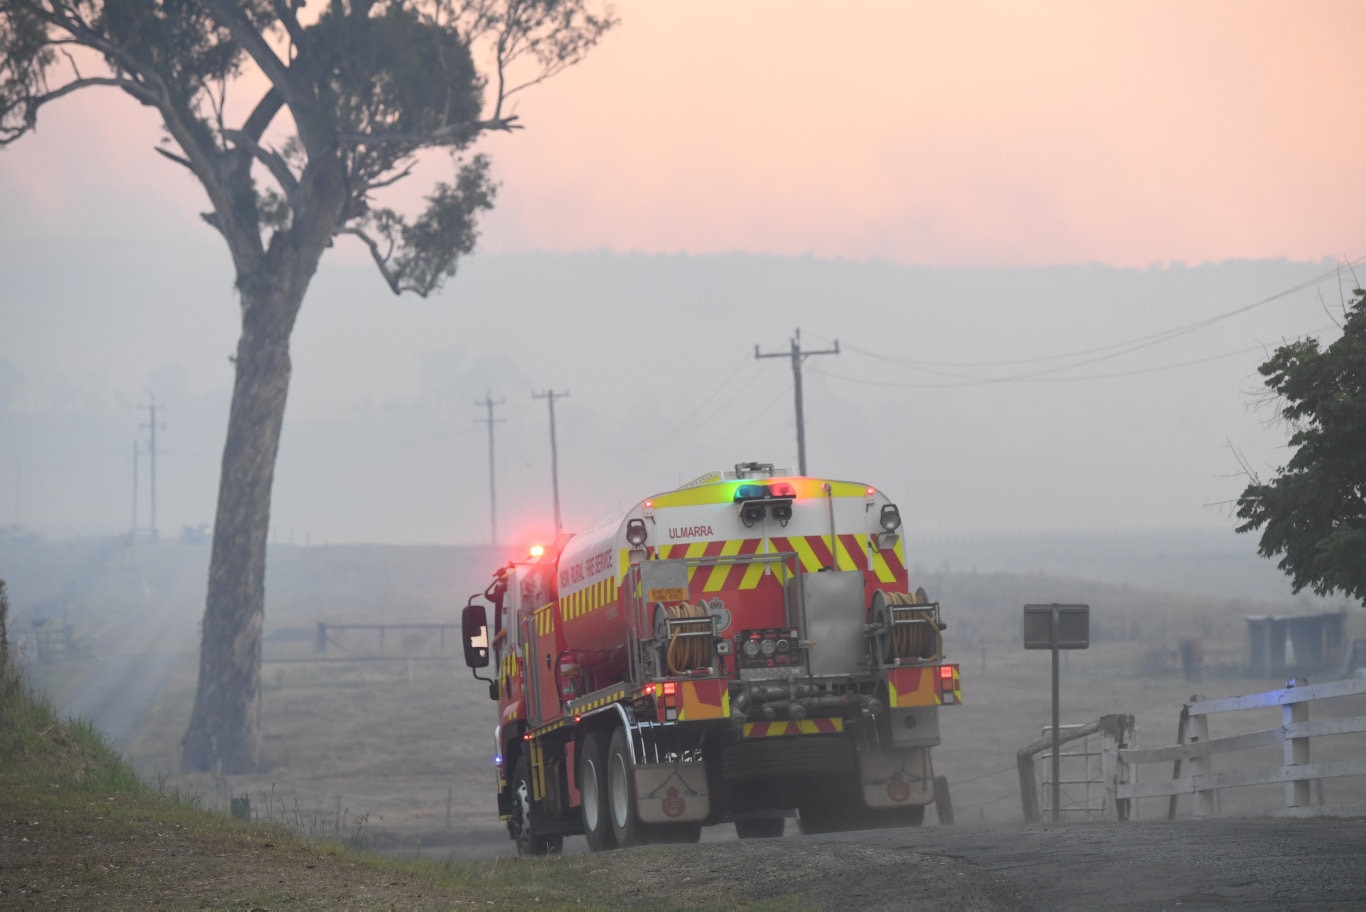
x,y
78,830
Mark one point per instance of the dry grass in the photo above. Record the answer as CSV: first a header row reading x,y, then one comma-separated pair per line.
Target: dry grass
x,y
79,831
396,755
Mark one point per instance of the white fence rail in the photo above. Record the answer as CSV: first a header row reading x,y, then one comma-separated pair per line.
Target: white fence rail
x,y
1193,758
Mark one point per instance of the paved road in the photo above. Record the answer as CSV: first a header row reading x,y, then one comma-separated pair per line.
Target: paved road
x,y
1254,865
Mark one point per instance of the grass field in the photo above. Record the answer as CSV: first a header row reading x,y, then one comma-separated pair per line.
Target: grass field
x,y
389,744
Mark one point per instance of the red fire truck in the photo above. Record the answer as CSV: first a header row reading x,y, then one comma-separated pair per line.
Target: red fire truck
x,y
735,650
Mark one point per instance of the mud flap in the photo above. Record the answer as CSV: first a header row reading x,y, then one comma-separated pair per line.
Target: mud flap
x,y
671,793
900,777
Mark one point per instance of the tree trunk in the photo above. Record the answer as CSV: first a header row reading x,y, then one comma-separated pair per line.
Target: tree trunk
x,y
224,733
225,730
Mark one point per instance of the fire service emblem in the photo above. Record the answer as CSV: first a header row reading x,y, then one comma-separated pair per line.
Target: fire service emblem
x,y
673,804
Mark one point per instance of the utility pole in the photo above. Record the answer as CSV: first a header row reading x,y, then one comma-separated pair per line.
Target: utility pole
x,y
493,497
551,395
151,427
797,355
135,487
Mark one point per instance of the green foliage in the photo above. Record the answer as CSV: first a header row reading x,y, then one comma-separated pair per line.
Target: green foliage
x,y
1312,514
429,248
392,73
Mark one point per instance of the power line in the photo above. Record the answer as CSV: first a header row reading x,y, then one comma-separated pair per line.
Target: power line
x,y
1039,378
1112,350
797,356
1126,346
669,438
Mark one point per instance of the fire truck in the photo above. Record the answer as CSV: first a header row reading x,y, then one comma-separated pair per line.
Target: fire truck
x,y
736,650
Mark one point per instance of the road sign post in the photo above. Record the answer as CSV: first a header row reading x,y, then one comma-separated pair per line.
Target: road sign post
x,y
1056,627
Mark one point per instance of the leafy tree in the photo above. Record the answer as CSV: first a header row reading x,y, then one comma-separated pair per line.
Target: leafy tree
x,y
294,122
1313,512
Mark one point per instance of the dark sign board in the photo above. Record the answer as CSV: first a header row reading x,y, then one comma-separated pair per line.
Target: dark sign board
x,y
1074,626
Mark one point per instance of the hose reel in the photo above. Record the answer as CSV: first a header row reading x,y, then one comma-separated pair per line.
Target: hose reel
x,y
905,627
686,633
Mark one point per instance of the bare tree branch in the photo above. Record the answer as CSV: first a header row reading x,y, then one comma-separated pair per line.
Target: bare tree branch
x,y
232,18
32,105
381,258
392,179
285,11
171,156
449,135
274,162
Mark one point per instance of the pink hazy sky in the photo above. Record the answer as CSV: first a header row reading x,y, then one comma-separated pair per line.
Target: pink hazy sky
x,y
945,134
951,133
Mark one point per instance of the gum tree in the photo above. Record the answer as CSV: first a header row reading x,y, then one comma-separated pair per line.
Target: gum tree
x,y
1312,513
294,118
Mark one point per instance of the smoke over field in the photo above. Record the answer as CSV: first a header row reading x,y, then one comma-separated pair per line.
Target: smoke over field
x,y
376,733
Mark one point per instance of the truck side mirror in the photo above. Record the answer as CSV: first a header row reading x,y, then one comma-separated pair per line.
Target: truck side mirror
x,y
474,630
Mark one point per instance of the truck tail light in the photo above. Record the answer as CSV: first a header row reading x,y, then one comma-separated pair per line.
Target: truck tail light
x,y
947,694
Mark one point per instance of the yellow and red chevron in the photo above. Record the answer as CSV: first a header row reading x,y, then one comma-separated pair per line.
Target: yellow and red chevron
x,y
851,552
848,552
720,576
804,727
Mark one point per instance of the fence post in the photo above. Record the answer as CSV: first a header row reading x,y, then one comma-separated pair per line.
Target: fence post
x,y
1181,728
1116,733
1296,749
1202,766
1029,786
320,644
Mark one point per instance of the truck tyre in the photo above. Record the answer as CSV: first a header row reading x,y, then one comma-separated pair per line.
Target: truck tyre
x,y
763,828
529,842
621,792
943,805
597,827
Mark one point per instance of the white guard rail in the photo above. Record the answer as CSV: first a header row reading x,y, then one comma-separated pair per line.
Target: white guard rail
x,y
1193,758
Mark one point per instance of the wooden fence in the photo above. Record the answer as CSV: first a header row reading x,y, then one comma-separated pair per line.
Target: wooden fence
x,y
1192,759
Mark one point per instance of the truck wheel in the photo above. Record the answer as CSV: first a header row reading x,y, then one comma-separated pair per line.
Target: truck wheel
x,y
763,828
597,827
529,842
621,792
943,805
